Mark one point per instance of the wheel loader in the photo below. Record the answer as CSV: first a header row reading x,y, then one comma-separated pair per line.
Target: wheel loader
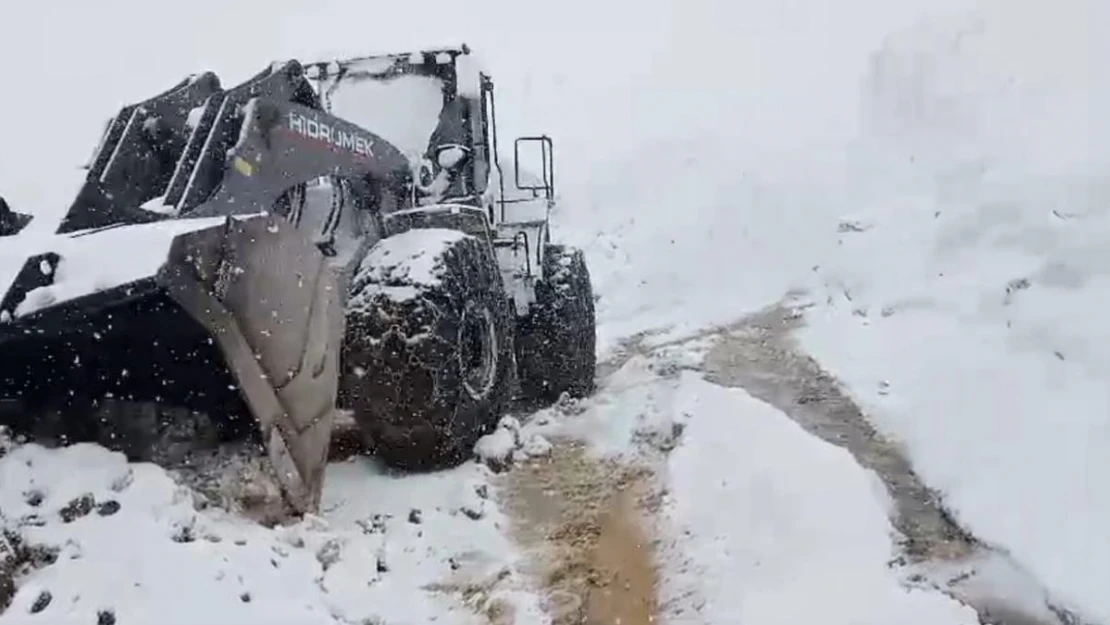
x,y
242,264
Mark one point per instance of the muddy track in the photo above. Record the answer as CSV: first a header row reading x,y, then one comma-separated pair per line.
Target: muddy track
x,y
581,520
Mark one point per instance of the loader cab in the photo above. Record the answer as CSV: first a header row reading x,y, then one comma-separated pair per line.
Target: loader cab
x,y
439,107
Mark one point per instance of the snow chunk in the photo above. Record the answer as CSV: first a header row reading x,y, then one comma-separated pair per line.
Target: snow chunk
x,y
158,205
534,446
195,114
496,449
150,125
449,157
507,444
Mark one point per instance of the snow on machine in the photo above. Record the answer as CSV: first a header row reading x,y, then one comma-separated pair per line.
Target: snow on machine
x,y
242,263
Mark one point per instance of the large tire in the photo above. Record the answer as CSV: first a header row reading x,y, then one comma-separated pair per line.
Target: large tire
x,y
427,363
557,342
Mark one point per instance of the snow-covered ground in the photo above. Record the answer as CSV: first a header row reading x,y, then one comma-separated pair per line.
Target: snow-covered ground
x,y
772,526
383,550
934,174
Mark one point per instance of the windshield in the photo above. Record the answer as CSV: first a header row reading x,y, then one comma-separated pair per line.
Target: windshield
x,y
403,110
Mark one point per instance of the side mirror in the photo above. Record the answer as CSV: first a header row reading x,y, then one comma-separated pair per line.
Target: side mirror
x,y
539,176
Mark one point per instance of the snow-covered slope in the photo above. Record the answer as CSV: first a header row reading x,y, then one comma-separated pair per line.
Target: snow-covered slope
x,y
968,314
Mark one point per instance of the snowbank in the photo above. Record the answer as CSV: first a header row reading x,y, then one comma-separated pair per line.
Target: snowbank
x,y
967,315
777,526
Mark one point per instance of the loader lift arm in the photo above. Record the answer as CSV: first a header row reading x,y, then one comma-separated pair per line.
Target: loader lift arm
x,y
245,147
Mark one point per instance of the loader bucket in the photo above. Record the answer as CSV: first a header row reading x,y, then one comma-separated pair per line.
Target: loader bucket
x,y
238,318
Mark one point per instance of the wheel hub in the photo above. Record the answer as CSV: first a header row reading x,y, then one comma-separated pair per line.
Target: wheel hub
x,y
477,350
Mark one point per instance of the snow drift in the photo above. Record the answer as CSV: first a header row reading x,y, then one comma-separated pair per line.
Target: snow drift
x,y
972,283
